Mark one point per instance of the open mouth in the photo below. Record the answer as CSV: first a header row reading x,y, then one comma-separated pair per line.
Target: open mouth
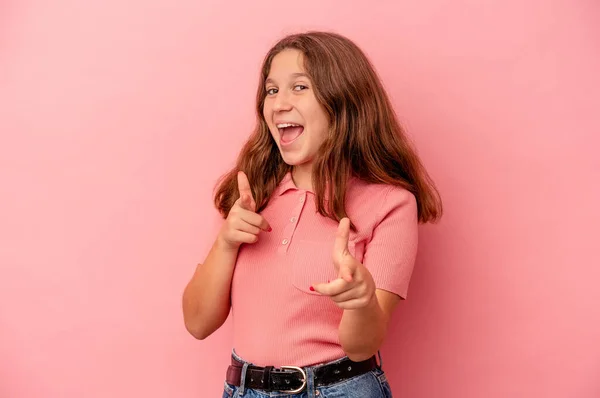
x,y
289,132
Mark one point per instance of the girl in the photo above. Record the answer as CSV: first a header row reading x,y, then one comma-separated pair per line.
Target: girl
x,y
319,236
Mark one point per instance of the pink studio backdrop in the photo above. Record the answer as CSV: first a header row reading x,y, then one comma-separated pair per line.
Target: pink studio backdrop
x,y
117,117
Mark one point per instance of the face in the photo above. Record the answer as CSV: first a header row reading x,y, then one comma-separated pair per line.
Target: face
x,y
296,120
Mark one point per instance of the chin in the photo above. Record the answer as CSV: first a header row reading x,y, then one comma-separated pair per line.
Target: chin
x,y
297,164
291,162
295,157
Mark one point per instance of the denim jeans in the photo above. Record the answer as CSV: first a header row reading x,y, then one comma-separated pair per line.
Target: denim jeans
x,y
372,384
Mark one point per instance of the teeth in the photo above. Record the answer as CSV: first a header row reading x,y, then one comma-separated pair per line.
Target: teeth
x,y
284,125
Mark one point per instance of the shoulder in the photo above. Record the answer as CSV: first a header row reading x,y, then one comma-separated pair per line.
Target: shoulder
x,y
374,201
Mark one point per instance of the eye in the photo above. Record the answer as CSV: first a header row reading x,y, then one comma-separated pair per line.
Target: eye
x,y
300,87
271,91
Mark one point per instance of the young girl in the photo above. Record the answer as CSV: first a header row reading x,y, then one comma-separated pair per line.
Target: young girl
x,y
319,236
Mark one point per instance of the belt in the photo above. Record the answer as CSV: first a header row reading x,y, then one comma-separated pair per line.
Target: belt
x,y
292,379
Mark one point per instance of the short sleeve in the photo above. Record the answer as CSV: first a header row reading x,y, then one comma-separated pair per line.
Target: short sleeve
x,y
391,252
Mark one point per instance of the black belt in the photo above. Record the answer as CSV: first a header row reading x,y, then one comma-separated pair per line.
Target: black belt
x,y
292,379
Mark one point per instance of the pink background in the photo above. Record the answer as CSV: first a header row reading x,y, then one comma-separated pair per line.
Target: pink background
x,y
117,117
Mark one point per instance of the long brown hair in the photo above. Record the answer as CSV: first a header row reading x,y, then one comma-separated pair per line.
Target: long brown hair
x,y
365,138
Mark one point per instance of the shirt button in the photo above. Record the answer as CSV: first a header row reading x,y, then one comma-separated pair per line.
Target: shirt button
x,y
302,199
284,242
293,219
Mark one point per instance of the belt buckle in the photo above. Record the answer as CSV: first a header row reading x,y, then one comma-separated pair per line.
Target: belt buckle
x,y
297,390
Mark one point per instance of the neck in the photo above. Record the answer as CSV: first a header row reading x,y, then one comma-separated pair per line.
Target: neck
x,y
302,176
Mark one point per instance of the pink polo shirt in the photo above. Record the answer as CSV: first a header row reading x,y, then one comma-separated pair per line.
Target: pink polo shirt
x,y
277,320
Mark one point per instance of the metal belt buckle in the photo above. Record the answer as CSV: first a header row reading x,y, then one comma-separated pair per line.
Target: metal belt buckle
x,y
297,390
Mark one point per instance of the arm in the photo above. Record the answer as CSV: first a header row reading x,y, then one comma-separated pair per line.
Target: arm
x,y
363,330
367,310
206,298
368,292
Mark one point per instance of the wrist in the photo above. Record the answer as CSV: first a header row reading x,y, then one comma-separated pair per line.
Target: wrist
x,y
369,309
222,245
372,305
373,302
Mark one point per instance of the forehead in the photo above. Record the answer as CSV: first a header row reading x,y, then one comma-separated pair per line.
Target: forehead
x,y
286,64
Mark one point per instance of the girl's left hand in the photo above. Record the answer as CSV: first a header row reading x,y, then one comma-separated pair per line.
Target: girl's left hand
x,y
354,288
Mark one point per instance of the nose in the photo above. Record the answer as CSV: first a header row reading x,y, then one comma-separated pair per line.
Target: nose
x,y
282,102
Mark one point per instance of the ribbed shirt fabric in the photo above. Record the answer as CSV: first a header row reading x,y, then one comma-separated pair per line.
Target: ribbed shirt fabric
x,y
277,319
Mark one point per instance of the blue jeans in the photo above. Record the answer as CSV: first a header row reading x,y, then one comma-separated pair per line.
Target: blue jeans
x,y
372,384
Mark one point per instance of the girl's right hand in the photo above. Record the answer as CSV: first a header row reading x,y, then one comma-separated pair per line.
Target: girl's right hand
x,y
243,224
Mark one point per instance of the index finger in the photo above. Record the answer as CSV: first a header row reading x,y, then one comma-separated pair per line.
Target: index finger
x,y
340,245
243,183
244,186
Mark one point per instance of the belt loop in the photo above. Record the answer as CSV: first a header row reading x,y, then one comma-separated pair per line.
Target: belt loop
x,y
243,380
380,360
310,382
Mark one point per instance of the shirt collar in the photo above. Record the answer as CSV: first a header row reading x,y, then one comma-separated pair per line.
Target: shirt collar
x,y
287,183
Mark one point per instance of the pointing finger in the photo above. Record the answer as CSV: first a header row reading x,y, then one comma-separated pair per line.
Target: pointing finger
x,y
244,189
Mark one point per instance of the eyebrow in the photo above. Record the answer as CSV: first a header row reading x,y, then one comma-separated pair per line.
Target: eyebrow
x,y
294,75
